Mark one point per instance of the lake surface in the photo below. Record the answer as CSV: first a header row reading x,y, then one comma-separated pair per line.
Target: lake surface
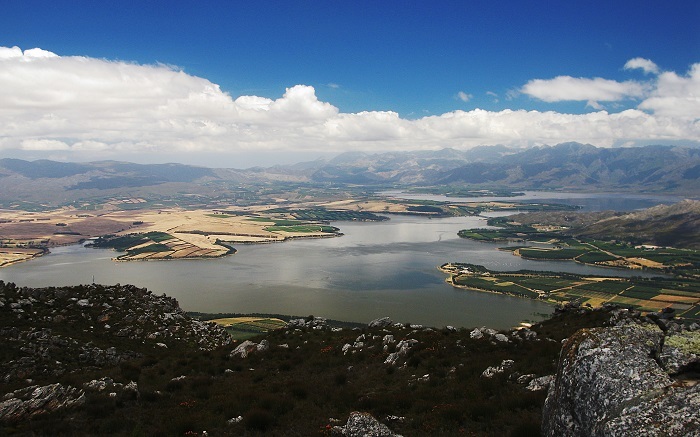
x,y
374,270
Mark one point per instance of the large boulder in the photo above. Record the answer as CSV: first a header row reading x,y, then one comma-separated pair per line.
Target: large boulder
x,y
614,382
380,323
364,425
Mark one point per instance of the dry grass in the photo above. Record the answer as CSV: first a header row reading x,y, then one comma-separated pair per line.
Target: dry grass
x,y
676,299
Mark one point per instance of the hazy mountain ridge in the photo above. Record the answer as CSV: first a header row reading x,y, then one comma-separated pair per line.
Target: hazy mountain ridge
x,y
570,166
674,225
567,165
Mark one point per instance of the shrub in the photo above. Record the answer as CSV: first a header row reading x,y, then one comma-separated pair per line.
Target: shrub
x,y
258,419
340,378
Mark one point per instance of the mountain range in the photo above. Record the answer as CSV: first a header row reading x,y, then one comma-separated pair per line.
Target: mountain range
x,y
567,166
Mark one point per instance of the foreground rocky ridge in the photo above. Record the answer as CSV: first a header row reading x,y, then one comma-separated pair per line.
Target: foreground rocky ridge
x,y
155,371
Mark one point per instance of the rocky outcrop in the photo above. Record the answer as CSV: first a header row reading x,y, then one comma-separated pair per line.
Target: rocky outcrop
x,y
364,425
28,402
49,331
310,322
247,347
633,379
380,323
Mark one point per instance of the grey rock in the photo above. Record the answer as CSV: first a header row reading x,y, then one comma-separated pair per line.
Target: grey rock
x,y
244,349
492,371
524,379
310,322
541,383
392,359
99,384
476,334
28,402
365,425
610,382
380,323
501,338
680,351
402,349
263,346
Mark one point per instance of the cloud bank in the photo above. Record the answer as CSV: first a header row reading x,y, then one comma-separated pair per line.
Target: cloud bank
x,y
81,105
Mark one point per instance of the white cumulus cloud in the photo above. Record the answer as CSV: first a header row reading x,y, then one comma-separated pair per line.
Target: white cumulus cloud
x,y
563,88
96,108
644,64
676,97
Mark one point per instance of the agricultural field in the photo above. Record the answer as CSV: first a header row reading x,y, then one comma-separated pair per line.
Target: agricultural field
x,y
243,328
646,295
12,255
568,246
157,246
155,234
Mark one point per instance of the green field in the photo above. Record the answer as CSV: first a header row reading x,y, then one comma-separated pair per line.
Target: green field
x,y
321,214
302,228
155,247
243,328
556,254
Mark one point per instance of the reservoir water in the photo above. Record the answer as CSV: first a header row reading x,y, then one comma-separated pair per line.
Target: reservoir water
x,y
375,270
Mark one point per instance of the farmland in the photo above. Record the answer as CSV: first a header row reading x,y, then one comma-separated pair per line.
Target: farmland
x,y
646,295
162,227
562,246
242,328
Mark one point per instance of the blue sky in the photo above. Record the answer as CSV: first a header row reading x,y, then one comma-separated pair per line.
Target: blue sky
x,y
415,59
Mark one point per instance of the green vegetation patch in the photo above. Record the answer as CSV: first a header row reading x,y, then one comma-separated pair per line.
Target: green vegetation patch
x,y
155,247
608,287
303,228
594,257
426,209
642,292
546,284
158,236
555,254
125,242
322,214
121,243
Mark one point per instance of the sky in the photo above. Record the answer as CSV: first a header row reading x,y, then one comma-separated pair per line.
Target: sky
x,y
237,84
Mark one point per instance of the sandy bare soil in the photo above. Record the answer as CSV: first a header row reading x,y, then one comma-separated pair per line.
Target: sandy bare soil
x,y
195,232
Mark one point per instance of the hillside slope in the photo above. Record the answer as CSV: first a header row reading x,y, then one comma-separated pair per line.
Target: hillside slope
x,y
676,225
